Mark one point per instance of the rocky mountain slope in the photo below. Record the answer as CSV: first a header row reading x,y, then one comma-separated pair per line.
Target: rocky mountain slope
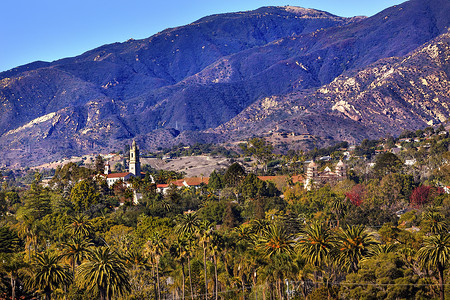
x,y
391,95
175,85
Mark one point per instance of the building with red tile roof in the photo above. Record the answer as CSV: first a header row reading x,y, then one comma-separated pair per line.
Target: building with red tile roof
x,y
185,182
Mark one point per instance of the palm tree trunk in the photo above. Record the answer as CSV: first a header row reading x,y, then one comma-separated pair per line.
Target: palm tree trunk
x,y
102,294
243,288
204,267
154,282
48,295
304,289
190,278
73,268
441,281
182,272
279,292
270,291
35,243
157,282
216,281
29,250
13,286
255,287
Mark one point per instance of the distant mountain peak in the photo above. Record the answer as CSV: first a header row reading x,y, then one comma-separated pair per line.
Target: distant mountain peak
x,y
305,11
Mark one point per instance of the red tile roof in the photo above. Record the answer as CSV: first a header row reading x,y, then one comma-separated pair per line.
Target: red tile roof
x,y
194,181
272,178
178,182
297,178
118,175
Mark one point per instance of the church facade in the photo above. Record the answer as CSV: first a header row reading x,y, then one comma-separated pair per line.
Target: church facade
x,y
314,178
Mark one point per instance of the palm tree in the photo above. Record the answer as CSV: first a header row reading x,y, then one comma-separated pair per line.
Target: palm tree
x,y
353,244
274,241
436,222
136,259
244,235
384,248
277,246
186,227
204,231
243,268
259,225
47,274
275,270
187,224
155,247
28,230
179,251
76,250
137,263
79,226
188,250
315,243
435,253
338,206
11,264
105,272
216,246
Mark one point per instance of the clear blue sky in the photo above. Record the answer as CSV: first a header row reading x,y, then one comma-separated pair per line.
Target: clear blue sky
x,y
52,29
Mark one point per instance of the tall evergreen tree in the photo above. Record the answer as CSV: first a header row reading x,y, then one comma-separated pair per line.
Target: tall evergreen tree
x,y
83,195
215,181
234,175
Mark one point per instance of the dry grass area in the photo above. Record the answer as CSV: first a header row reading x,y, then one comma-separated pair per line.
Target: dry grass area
x,y
193,166
87,160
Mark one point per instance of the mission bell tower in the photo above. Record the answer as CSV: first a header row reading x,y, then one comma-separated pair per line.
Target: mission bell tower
x,y
135,164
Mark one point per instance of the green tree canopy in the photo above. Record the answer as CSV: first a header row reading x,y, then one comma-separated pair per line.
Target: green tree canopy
x,y
252,187
215,181
37,201
387,163
259,148
70,172
99,164
234,175
9,241
83,195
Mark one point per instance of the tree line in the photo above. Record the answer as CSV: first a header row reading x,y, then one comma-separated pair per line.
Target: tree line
x,y
380,234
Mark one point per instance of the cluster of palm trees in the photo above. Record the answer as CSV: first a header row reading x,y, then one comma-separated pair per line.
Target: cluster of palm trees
x,y
99,270
264,258
270,257
103,273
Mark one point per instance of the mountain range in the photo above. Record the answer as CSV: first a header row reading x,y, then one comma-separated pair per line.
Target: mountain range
x,y
231,76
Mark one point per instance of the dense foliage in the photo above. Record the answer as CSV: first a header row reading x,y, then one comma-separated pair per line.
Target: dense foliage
x,y
382,233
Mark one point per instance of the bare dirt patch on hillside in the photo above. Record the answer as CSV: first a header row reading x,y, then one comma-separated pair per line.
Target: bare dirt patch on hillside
x,y
193,166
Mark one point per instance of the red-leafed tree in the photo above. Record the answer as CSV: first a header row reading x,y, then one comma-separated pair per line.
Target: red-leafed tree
x,y
356,195
424,194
